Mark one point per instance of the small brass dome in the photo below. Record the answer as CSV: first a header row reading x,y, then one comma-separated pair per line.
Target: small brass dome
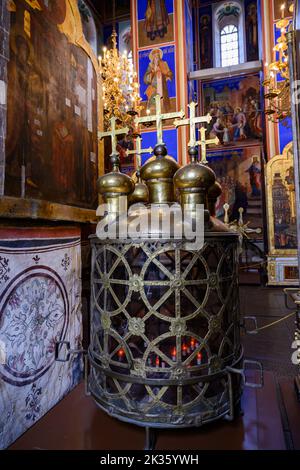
x,y
140,193
115,182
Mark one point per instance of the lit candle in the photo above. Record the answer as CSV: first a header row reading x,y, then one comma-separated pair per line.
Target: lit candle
x,y
157,362
192,344
199,358
184,350
173,354
163,364
121,354
148,112
282,8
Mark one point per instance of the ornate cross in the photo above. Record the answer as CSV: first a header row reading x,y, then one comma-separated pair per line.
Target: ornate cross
x,y
241,220
159,118
113,135
139,152
192,121
226,208
203,144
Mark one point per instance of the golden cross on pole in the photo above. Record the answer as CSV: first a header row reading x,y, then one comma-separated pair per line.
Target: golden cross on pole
x,y
113,135
192,121
159,117
203,144
139,152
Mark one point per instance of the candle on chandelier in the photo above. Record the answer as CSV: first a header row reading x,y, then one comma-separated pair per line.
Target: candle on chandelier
x,y
282,8
184,349
157,362
193,344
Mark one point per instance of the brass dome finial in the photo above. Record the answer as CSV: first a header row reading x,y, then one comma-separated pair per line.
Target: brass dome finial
x,y
158,174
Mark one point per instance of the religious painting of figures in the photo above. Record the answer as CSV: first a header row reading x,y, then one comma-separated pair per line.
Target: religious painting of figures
x,y
127,161
251,26
51,146
239,172
155,22
235,107
189,36
157,76
206,38
278,11
281,203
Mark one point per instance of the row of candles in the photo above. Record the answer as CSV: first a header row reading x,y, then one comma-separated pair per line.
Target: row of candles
x,y
186,349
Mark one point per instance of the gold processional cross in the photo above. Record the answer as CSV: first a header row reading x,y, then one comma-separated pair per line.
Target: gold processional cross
x,y
138,152
113,135
192,121
159,117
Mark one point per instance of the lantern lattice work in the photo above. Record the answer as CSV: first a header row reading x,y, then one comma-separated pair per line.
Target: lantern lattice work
x,y
165,330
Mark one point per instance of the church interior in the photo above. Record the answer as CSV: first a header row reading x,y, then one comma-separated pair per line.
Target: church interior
x,y
149,204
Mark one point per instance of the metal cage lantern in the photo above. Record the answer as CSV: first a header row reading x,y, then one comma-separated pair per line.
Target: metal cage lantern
x,y
165,331
165,349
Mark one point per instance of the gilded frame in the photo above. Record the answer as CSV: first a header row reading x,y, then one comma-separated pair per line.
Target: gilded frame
x,y
11,207
282,163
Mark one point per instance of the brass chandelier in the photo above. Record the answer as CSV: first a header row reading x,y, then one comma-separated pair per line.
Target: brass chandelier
x,y
277,83
120,88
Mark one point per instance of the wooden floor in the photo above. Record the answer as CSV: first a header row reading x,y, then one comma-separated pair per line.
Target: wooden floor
x,y
271,415
77,423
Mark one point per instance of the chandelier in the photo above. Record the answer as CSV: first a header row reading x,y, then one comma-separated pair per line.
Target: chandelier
x,y
277,83
120,87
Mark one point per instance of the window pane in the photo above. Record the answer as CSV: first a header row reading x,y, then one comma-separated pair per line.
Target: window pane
x,y
229,46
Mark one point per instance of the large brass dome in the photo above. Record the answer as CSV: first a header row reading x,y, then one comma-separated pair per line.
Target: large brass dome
x,y
194,175
158,175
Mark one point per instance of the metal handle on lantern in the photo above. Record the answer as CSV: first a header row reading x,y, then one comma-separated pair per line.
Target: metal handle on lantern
x,y
70,352
242,373
254,320
291,293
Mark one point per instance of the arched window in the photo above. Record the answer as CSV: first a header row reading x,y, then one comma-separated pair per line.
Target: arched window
x,y
229,33
229,45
